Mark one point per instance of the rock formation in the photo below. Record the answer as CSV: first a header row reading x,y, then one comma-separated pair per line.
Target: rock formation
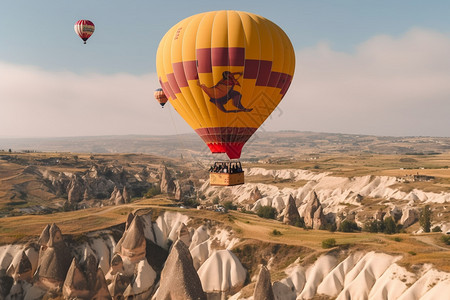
x,y
222,274
179,280
178,191
132,244
395,213
313,212
76,190
44,237
116,197
379,215
85,283
126,195
75,285
112,197
23,270
263,287
167,184
184,235
409,217
319,218
86,195
290,213
101,291
255,195
54,259
118,286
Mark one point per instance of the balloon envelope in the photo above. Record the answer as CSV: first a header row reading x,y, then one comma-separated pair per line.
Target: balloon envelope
x,y
160,97
84,29
225,72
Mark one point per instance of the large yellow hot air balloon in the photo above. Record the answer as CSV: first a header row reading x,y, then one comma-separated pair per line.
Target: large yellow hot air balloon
x,y
225,72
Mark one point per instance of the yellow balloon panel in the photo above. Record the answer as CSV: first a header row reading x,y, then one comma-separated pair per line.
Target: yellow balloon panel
x,y
225,72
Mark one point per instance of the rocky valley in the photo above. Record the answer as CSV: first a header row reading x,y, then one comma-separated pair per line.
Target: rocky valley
x,y
330,224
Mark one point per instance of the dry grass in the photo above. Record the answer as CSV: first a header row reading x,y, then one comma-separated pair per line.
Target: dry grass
x,y
245,226
360,164
280,183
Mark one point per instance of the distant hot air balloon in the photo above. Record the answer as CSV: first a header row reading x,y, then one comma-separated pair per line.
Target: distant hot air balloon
x,y
84,29
225,72
160,96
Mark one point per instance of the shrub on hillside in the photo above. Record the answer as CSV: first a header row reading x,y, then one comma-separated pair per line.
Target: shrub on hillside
x,y
267,212
153,191
329,226
387,226
348,226
328,243
300,222
436,229
276,232
446,239
229,205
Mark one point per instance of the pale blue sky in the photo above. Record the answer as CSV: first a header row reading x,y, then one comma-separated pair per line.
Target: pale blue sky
x,y
394,45
40,33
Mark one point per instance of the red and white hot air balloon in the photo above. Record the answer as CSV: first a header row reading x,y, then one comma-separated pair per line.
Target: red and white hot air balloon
x,y
84,29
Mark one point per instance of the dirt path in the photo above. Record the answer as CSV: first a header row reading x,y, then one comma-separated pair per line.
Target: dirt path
x,y
430,241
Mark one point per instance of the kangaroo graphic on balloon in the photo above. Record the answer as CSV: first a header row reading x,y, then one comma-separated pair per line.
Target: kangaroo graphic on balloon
x,y
225,72
224,91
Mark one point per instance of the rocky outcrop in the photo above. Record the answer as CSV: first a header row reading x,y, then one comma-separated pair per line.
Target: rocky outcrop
x,y
6,283
76,190
118,286
179,280
409,217
313,212
101,291
379,215
54,259
23,269
97,183
222,274
75,285
290,213
184,235
319,219
167,184
85,283
395,213
126,195
263,288
119,199
132,245
255,195
44,237
128,275
178,191
116,265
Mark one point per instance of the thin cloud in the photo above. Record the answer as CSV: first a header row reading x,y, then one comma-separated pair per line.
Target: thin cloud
x,y
38,103
388,86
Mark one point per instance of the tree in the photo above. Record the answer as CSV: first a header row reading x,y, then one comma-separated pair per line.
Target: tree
x,y
425,218
371,226
229,205
328,243
267,212
348,226
389,226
